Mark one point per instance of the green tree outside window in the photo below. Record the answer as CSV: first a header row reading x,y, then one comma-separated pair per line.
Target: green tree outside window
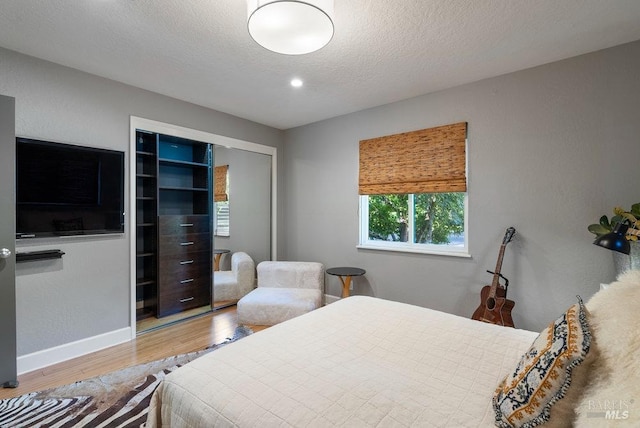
x,y
437,217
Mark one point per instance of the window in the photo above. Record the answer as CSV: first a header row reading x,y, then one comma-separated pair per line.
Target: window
x,y
413,191
221,200
222,218
423,222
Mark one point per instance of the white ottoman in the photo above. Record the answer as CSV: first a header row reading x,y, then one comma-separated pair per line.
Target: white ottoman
x,y
285,290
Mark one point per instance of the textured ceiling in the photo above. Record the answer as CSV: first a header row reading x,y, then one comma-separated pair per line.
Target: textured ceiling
x,y
382,51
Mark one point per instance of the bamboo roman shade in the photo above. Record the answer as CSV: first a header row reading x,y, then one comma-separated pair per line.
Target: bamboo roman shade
x,y
431,160
220,180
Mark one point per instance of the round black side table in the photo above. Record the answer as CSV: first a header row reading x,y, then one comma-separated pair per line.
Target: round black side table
x,y
345,274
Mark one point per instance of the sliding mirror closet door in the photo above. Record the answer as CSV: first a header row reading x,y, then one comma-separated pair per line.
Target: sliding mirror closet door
x,y
242,220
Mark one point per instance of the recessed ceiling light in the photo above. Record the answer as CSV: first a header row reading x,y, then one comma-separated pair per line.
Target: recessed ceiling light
x,y
296,83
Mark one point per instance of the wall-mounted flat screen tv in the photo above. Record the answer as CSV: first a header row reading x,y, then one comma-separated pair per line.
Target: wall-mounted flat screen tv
x,y
67,190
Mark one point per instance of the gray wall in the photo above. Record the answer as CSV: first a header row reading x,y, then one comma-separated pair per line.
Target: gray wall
x,y
87,292
550,150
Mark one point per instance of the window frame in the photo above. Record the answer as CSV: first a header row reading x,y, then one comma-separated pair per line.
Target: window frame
x,y
410,247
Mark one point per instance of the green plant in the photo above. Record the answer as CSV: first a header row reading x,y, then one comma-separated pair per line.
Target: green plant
x,y
632,217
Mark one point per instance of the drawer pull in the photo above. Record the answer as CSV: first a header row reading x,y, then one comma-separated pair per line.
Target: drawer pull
x,y
186,262
186,224
184,244
186,281
186,300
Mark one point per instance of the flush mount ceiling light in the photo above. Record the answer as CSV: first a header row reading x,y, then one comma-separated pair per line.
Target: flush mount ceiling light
x,y
291,27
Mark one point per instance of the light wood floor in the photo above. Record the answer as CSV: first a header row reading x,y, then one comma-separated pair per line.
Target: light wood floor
x,y
153,322
187,336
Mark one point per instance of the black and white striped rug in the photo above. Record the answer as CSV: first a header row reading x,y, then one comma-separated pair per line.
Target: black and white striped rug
x,y
119,399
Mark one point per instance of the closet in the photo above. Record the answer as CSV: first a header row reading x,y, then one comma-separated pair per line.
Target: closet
x,y
173,224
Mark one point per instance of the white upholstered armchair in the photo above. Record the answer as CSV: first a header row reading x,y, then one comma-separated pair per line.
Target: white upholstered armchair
x,y
235,283
285,290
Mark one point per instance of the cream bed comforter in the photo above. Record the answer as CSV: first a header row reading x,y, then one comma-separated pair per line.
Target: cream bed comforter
x,y
361,361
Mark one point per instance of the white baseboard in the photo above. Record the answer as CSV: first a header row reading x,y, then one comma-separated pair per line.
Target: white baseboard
x,y
328,298
57,354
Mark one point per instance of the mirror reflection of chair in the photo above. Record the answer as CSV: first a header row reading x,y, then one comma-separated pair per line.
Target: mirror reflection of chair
x,y
231,285
285,290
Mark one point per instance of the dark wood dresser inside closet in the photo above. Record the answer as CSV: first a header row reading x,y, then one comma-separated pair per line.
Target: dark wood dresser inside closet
x,y
184,262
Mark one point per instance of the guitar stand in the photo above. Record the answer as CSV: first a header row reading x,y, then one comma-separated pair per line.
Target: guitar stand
x,y
506,282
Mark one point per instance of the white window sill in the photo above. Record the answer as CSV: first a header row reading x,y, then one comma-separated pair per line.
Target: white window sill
x,y
462,253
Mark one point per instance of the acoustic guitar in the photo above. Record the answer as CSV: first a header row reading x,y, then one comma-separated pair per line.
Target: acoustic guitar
x,y
494,307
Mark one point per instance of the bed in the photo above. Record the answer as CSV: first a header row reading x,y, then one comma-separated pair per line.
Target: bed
x,y
364,361
361,361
